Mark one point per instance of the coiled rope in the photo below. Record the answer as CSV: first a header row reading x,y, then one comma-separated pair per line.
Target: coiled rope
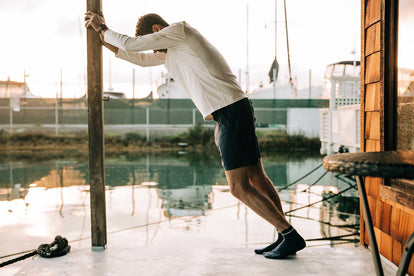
x,y
58,247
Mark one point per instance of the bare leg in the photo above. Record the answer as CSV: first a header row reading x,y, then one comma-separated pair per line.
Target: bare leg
x,y
266,204
259,179
251,185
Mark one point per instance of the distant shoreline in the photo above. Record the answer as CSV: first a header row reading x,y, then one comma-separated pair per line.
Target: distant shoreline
x,y
197,139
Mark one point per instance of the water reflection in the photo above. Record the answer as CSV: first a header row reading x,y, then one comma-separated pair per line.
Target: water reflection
x,y
189,192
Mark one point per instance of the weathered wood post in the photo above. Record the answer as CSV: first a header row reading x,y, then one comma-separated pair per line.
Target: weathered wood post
x,y
95,131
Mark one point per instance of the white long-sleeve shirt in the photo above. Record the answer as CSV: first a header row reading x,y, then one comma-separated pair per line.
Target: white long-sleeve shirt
x,y
191,60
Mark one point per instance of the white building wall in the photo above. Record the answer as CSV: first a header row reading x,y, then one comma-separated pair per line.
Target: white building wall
x,y
303,121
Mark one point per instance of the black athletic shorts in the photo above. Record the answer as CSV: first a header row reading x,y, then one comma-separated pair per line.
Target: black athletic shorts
x,y
235,135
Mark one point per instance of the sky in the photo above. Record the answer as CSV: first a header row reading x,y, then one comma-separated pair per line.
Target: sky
x,y
47,40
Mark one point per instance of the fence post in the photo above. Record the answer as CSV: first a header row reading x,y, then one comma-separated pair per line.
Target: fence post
x,y
95,131
147,121
11,119
56,116
194,117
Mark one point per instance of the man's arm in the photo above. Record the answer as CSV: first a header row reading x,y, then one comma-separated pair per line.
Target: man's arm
x,y
109,46
167,37
97,22
142,59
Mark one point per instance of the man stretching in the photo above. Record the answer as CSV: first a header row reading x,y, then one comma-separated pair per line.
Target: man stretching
x,y
207,79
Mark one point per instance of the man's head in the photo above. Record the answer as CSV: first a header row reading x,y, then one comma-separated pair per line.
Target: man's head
x,y
150,23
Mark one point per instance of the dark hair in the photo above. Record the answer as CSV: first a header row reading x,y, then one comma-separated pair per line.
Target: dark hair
x,y
145,22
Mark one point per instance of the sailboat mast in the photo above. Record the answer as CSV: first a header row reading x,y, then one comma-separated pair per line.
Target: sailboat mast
x,y
274,69
275,28
247,48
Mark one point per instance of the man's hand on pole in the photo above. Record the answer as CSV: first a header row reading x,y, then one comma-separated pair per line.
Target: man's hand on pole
x,y
94,20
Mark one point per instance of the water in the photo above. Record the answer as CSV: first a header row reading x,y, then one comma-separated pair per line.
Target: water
x,y
166,200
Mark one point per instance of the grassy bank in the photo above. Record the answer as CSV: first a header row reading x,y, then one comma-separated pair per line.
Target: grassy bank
x,y
196,139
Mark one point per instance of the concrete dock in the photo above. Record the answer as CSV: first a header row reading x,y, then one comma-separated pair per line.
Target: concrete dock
x,y
200,261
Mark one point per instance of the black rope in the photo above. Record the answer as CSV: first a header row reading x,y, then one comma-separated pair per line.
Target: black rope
x,y
334,238
33,253
299,179
353,226
319,201
338,176
333,243
316,182
58,247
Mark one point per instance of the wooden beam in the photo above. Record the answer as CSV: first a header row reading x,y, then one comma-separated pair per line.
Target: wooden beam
x,y
390,71
95,131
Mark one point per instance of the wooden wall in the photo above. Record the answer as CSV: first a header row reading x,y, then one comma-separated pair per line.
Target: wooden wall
x,y
393,222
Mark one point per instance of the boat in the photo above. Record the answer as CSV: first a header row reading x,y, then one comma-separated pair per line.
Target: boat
x,y
340,123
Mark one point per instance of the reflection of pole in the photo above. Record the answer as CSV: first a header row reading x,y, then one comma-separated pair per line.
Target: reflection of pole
x,y
60,170
147,216
133,192
147,168
11,178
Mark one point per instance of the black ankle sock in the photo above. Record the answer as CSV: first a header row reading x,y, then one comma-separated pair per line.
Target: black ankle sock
x,y
271,246
291,243
287,230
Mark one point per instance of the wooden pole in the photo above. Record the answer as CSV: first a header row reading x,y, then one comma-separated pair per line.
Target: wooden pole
x,y
95,131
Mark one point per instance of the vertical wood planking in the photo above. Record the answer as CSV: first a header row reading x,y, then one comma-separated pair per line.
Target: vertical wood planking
x,y
372,145
386,218
386,245
95,132
372,125
372,100
373,39
396,251
373,11
373,68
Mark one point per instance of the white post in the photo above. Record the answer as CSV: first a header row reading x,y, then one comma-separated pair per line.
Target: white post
x,y
147,122
274,82
168,86
61,105
194,117
56,110
11,119
10,109
310,84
